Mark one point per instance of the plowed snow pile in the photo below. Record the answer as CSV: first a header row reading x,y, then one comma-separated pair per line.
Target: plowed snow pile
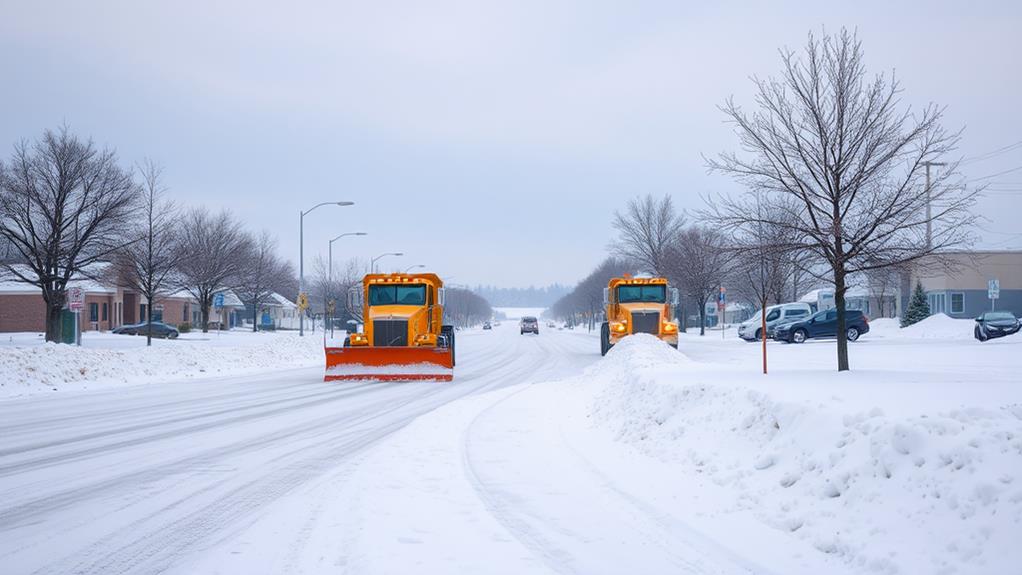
x,y
31,367
937,326
887,483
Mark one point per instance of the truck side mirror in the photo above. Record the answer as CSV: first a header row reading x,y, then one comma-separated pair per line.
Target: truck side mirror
x,y
441,296
675,296
606,296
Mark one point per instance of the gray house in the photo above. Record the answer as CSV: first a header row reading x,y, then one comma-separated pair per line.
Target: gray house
x,y
961,291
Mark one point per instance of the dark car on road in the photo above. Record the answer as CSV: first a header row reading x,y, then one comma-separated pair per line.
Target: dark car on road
x,y
529,324
160,330
823,324
993,324
486,325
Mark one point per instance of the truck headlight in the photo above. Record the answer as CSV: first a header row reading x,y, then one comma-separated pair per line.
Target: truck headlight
x,y
670,328
617,327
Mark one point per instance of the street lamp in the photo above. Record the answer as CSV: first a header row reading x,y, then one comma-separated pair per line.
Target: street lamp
x,y
301,256
413,267
372,263
330,258
330,270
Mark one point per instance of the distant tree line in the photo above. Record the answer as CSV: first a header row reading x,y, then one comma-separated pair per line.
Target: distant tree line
x,y
522,297
69,209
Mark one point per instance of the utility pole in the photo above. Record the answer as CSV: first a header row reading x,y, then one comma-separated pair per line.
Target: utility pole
x,y
929,211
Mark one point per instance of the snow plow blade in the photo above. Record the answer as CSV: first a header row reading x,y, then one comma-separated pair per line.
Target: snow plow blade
x,y
389,364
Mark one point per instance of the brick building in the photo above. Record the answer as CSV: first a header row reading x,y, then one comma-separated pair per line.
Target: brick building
x,y
106,306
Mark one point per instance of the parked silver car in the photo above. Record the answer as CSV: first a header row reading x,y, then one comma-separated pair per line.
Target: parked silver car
x,y
752,328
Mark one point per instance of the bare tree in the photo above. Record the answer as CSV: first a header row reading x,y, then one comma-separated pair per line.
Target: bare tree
x,y
261,268
883,285
853,166
645,229
698,261
214,248
64,206
585,302
150,257
465,308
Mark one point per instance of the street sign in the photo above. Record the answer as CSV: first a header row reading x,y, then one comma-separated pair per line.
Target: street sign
x,y
994,289
218,300
75,299
331,306
722,298
303,302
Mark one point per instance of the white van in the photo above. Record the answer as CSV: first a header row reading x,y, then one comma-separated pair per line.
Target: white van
x,y
751,329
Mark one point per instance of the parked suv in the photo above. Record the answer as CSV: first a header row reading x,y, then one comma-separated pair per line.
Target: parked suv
x,y
529,324
752,328
823,324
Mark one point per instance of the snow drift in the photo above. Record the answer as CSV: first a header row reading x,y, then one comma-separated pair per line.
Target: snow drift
x,y
934,492
43,367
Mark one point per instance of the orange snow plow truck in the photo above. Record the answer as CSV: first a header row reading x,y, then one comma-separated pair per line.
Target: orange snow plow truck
x,y
402,337
639,304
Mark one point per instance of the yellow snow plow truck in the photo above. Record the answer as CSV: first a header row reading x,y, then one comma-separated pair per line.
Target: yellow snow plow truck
x,y
639,304
403,337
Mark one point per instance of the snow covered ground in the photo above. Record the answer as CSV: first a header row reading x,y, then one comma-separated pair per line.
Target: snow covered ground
x,y
540,457
30,366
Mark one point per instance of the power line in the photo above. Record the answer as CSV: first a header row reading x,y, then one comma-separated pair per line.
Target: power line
x,y
998,151
1008,171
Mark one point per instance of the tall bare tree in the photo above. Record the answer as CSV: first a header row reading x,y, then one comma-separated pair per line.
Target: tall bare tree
x,y
698,260
852,162
214,249
149,259
64,206
645,229
261,268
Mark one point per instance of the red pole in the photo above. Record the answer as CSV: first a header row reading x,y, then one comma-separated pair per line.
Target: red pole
x,y
764,334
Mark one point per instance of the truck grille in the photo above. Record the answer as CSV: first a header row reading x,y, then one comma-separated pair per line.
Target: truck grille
x,y
390,332
646,322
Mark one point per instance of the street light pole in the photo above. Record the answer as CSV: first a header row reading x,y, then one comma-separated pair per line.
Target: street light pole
x,y
301,256
929,211
372,263
414,267
330,270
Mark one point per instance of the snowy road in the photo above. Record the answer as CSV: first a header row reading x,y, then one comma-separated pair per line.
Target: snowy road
x,y
145,479
535,460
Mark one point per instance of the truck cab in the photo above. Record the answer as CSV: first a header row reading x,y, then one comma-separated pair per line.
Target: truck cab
x,y
640,304
402,335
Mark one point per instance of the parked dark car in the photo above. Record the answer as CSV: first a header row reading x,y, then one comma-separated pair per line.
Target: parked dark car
x,y
823,324
529,324
160,330
486,325
994,324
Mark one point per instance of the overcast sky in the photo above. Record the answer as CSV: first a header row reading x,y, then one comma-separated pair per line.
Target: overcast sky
x,y
490,142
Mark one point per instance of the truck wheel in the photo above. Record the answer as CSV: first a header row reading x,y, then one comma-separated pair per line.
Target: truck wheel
x,y
447,332
604,338
347,341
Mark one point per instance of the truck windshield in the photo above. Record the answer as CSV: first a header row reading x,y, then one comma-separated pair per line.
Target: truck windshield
x,y
642,293
404,294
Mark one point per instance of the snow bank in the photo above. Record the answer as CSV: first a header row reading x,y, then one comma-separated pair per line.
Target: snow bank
x,y
107,360
934,492
937,326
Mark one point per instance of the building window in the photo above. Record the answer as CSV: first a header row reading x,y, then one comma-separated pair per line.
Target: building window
x,y
93,312
184,312
958,302
141,313
938,302
106,312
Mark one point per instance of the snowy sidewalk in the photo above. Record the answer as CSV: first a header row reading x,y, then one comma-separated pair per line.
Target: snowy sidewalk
x,y
29,366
